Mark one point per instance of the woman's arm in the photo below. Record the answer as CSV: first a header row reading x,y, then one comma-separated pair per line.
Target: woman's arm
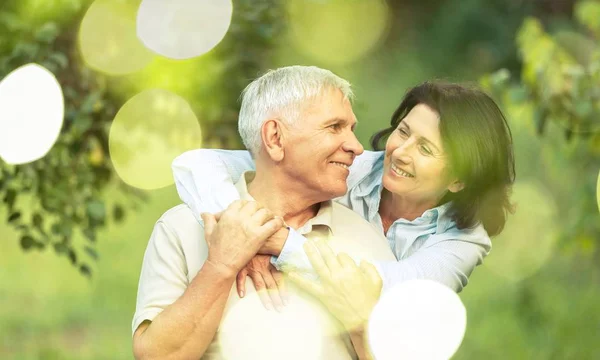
x,y
449,261
205,178
205,182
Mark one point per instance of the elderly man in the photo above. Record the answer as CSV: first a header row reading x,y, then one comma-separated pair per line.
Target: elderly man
x,y
297,122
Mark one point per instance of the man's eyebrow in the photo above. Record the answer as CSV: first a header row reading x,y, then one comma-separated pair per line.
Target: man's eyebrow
x,y
339,120
421,137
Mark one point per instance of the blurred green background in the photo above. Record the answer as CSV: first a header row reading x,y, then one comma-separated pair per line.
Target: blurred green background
x,y
73,233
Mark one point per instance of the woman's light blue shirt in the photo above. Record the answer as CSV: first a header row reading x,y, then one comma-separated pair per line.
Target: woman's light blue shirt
x,y
429,247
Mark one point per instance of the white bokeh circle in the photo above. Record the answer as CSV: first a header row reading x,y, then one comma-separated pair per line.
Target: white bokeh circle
x,y
108,41
249,332
183,29
417,319
31,114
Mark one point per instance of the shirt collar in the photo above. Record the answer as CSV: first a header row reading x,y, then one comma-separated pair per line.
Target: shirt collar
x,y
366,172
323,217
439,215
372,180
370,185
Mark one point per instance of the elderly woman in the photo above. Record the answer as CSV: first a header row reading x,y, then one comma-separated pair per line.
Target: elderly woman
x,y
438,190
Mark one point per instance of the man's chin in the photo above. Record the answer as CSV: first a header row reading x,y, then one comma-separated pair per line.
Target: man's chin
x,y
339,191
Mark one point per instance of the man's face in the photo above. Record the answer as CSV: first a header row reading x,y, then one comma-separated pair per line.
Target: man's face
x,y
322,145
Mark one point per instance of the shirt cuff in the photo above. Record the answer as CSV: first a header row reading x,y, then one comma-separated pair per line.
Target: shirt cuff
x,y
292,256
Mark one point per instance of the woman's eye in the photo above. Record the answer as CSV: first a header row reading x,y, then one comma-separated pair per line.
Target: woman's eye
x,y
403,132
425,149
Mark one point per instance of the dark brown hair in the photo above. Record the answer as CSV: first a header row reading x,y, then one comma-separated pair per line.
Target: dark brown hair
x,y
478,141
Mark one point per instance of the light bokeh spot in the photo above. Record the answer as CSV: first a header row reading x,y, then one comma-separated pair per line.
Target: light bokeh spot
x,y
337,31
417,319
148,132
42,11
108,41
598,191
250,332
31,114
182,29
529,236
197,78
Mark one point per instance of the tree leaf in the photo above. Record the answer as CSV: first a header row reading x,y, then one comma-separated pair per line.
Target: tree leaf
x,y
25,50
47,33
96,210
83,123
568,134
14,217
85,270
540,118
27,242
59,59
90,234
37,220
118,213
88,104
9,198
91,252
38,245
72,256
60,248
56,228
66,229
11,21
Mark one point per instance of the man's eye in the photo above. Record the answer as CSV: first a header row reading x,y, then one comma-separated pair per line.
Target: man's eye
x,y
335,126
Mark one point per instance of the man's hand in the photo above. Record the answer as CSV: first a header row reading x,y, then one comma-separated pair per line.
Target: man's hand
x,y
241,231
268,282
275,242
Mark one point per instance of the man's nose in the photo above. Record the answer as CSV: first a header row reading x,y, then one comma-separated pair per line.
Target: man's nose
x,y
353,145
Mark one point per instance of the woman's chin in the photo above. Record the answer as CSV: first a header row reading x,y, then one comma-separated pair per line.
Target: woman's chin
x,y
397,184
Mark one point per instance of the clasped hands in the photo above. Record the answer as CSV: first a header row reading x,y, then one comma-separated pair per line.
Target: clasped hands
x,y
246,235
241,241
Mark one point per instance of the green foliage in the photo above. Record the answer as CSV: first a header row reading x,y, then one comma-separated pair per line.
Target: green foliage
x,y
557,96
64,191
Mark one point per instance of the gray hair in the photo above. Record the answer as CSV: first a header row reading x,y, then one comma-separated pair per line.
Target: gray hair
x,y
283,94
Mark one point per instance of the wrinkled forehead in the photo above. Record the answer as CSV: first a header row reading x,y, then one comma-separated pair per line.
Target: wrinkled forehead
x,y
330,103
424,121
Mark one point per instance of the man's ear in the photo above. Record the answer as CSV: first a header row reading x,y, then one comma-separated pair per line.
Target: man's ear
x,y
456,186
272,137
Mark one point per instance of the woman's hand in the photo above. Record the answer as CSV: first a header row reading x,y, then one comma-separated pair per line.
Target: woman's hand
x,y
265,277
349,291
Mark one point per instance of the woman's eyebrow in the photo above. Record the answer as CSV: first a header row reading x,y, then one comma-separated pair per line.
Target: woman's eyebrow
x,y
421,137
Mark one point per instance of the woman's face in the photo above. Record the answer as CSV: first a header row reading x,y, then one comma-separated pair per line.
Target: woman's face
x,y
415,165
